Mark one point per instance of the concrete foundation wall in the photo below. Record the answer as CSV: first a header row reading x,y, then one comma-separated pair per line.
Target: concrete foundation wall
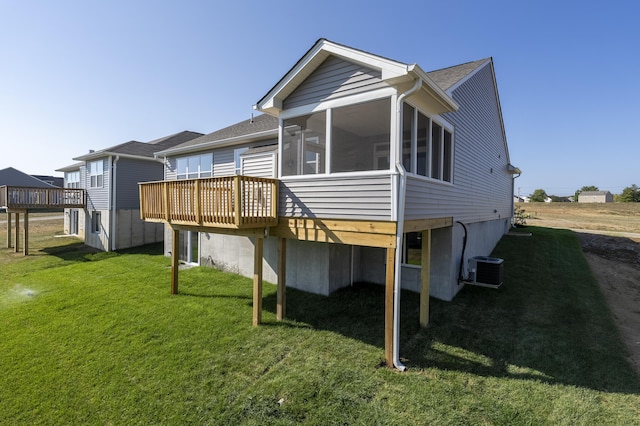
x,y
133,232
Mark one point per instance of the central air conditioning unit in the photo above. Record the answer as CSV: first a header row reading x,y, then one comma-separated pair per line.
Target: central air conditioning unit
x,y
486,271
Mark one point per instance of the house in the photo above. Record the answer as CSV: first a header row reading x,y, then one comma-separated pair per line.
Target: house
x,y
595,197
111,218
361,168
21,193
56,181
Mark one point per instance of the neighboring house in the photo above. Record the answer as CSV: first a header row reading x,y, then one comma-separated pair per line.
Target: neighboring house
x,y
58,182
111,218
595,197
366,170
14,177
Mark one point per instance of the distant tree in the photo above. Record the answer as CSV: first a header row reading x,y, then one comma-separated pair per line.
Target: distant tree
x,y
631,194
538,196
583,189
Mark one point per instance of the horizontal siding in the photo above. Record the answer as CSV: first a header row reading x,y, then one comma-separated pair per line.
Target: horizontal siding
x,y
223,162
98,198
262,165
129,173
482,188
356,198
332,79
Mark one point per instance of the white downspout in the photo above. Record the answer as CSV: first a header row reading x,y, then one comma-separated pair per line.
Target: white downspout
x,y
400,227
114,192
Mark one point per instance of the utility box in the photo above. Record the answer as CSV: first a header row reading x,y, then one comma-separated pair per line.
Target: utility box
x,y
486,271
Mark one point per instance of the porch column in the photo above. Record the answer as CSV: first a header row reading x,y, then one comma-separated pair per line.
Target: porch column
x,y
425,278
26,233
175,259
9,230
257,281
388,306
17,233
282,279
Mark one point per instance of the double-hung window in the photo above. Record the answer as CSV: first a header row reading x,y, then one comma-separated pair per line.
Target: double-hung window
x,y
96,174
195,166
72,179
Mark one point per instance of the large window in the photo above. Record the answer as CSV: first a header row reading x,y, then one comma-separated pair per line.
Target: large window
x,y
96,174
358,134
433,148
195,166
72,179
304,145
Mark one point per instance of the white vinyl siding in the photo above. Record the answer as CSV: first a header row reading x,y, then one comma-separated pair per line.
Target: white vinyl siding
x,y
482,185
224,163
334,78
97,197
259,165
358,197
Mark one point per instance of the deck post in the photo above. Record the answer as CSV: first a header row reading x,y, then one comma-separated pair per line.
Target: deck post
x,y
388,306
175,259
257,281
425,278
17,244
26,233
282,280
9,230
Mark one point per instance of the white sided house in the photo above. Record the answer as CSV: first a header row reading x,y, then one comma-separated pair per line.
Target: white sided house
x,y
110,220
361,169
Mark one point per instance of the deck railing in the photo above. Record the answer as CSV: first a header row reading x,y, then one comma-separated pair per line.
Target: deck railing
x,y
225,202
22,197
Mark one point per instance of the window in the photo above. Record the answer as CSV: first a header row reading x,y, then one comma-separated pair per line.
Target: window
x,y
358,133
237,157
433,147
412,248
195,166
304,145
72,179
96,222
96,174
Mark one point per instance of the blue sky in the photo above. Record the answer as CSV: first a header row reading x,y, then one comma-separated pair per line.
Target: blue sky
x,y
80,75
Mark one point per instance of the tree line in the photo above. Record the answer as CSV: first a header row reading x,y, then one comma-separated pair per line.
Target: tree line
x,y
630,194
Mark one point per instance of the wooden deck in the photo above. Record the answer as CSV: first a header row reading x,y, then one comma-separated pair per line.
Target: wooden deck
x,y
235,202
28,198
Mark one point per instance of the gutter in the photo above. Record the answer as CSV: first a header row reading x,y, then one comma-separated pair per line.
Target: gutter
x,y
402,183
114,192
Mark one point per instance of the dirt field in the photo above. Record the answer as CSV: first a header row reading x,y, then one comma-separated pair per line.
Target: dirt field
x,y
610,238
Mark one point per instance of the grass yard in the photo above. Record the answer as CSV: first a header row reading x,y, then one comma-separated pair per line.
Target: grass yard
x,y
96,338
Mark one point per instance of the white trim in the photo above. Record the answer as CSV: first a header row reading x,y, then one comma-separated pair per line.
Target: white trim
x,y
337,176
358,98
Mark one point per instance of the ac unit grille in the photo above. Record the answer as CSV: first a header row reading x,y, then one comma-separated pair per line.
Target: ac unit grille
x,y
489,271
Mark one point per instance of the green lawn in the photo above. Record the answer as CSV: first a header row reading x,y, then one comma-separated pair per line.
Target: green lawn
x,y
96,338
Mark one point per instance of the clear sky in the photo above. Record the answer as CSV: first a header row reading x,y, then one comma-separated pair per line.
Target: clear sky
x,y
80,75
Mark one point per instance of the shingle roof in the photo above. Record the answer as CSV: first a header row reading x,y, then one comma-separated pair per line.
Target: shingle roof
x,y
445,78
14,177
260,124
142,149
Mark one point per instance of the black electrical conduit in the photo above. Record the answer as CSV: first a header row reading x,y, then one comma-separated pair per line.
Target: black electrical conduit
x,y
464,247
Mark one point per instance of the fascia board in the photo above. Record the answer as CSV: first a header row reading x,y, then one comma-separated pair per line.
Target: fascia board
x,y
220,143
428,84
102,154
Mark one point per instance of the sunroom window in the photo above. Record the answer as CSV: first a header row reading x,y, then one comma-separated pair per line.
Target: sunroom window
x,y
358,132
433,147
304,145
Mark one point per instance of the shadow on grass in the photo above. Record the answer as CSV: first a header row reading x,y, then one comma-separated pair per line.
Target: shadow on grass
x,y
79,252
549,322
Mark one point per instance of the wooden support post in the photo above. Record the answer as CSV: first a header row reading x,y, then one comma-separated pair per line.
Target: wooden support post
x,y
425,278
257,281
17,233
282,279
175,259
26,233
388,306
9,230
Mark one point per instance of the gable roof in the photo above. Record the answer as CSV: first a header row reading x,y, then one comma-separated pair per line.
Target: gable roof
x,y
14,177
260,127
393,72
141,150
592,193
